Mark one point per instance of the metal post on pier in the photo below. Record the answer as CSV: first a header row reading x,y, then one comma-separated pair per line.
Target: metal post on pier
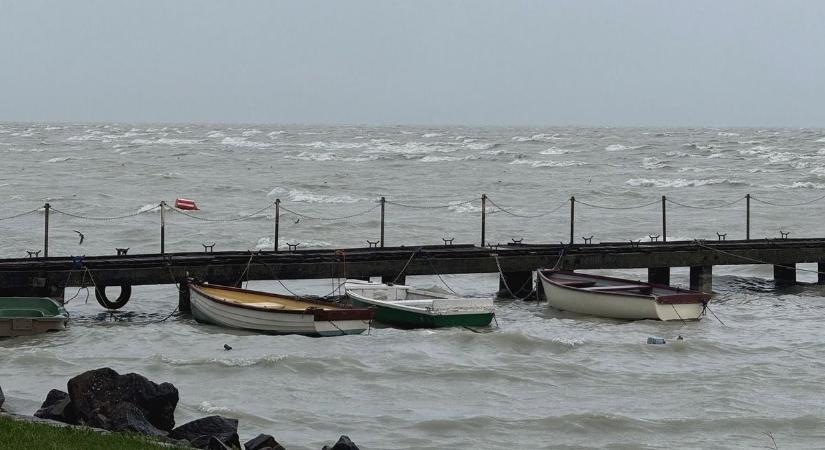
x,y
383,202
162,227
47,207
664,219
277,223
748,217
572,216
483,219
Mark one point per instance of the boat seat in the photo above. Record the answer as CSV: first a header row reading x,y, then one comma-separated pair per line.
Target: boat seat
x,y
622,287
575,283
17,313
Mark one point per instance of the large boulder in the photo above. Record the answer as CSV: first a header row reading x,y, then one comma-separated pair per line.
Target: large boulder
x,y
261,442
344,443
199,432
96,395
57,406
128,417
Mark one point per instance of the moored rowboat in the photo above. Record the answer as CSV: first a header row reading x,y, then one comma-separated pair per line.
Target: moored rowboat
x,y
20,316
406,307
618,298
272,313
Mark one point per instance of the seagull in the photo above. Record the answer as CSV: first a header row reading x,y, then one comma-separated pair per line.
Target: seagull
x,y
227,347
81,237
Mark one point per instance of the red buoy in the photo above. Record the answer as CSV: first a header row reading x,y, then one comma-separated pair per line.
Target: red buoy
x,y
186,204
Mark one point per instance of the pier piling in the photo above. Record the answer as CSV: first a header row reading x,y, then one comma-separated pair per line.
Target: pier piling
x,y
784,274
658,275
701,278
520,284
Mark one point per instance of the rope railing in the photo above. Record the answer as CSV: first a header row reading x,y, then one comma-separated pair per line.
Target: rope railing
x,y
206,219
485,208
787,204
15,216
723,205
106,218
645,205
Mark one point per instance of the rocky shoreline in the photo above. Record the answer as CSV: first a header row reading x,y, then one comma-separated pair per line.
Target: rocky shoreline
x,y
106,401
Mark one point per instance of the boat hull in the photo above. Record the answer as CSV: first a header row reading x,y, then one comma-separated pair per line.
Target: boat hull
x,y
409,319
618,306
24,316
206,310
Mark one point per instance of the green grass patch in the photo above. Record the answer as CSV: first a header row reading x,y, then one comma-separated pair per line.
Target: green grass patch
x,y
24,435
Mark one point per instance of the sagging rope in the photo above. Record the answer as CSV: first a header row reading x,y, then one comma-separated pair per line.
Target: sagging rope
x,y
507,286
526,216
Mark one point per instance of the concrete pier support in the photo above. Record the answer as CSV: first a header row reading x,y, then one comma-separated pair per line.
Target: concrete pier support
x,y
784,274
520,284
658,275
701,278
820,267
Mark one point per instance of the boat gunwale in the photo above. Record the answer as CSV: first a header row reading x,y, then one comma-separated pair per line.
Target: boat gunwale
x,y
678,297
339,313
411,309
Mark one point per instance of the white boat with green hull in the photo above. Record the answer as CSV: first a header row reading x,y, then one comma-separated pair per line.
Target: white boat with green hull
x,y
407,307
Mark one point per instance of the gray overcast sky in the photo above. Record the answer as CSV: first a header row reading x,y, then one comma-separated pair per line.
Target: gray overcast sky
x,y
670,63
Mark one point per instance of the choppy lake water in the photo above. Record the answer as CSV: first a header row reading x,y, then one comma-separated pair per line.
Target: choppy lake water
x,y
541,379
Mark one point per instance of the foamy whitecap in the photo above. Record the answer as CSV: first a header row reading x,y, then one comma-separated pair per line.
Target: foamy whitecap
x,y
480,145
333,145
61,159
236,141
547,163
209,408
432,158
554,151
678,182
431,135
650,163
799,185
727,134
309,156
820,140
620,147
381,146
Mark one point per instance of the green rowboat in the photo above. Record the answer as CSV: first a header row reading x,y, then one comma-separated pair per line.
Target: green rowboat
x,y
21,316
407,307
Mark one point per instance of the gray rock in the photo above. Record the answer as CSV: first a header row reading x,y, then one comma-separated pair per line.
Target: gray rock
x,y
57,406
128,417
263,442
199,432
216,444
2,397
344,443
96,394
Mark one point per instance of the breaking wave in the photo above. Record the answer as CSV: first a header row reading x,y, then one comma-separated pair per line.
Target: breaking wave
x,y
679,182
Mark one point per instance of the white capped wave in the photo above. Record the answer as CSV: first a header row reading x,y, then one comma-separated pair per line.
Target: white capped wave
x,y
209,408
547,163
265,243
818,171
431,135
799,185
334,145
215,134
541,137
620,147
677,154
727,134
251,132
61,159
748,142
554,151
274,134
297,195
480,145
382,146
237,141
678,182
820,140
309,156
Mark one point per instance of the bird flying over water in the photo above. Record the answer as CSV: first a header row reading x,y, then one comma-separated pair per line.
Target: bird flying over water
x,y
81,237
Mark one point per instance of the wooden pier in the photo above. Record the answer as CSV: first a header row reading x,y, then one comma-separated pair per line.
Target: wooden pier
x,y
516,263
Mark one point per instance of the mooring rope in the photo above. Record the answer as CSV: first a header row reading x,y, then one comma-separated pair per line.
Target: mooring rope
x,y
406,265
507,286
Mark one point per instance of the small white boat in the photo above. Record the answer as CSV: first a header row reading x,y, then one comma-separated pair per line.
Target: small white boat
x,y
618,298
272,313
407,307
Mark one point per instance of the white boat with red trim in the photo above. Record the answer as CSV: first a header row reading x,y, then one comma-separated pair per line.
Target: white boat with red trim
x,y
273,313
619,298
